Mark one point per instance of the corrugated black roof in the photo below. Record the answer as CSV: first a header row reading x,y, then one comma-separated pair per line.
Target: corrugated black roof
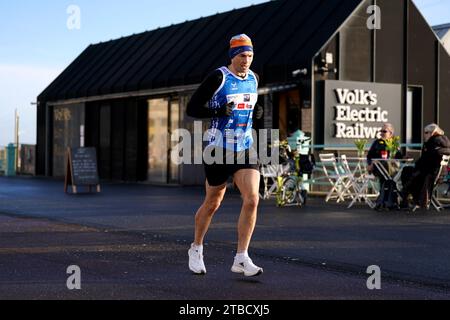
x,y
286,35
442,30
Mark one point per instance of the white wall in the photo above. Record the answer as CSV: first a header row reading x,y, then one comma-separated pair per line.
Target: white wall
x,y
446,41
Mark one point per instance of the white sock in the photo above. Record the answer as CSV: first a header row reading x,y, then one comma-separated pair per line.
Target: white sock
x,y
242,256
197,248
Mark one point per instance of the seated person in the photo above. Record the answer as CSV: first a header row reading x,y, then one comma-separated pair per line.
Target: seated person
x,y
379,150
418,181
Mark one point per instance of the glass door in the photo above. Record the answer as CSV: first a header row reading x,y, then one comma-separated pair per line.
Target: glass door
x,y
158,120
174,124
164,118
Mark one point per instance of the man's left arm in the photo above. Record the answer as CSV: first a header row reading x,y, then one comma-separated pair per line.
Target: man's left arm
x,y
259,110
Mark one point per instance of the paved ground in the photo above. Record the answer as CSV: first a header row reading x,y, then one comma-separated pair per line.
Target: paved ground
x,y
130,243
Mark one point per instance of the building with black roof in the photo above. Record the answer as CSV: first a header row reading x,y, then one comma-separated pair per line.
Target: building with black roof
x,y
335,68
443,33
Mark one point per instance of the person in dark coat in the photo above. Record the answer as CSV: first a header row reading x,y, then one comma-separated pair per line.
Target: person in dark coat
x,y
379,150
418,181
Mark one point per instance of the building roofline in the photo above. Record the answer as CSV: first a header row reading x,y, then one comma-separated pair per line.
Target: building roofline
x,y
441,26
113,96
141,68
433,30
275,87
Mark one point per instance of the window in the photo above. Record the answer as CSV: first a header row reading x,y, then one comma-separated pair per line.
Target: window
x,y
414,116
164,118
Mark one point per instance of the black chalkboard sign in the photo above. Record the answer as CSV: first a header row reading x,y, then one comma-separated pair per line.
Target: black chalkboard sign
x,y
81,169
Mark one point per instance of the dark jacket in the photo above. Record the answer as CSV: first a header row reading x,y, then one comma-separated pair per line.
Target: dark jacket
x,y
432,153
419,181
375,151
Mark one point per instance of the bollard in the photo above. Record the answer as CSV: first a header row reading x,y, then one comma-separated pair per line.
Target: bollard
x,y
10,170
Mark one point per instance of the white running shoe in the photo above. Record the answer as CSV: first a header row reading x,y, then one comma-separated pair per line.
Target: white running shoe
x,y
196,264
247,267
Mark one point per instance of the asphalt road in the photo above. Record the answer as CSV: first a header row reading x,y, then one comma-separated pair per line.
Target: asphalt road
x,y
131,241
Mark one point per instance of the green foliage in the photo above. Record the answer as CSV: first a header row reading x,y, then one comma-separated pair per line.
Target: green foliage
x,y
360,145
393,145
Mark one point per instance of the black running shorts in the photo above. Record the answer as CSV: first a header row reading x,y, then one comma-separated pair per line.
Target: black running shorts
x,y
217,174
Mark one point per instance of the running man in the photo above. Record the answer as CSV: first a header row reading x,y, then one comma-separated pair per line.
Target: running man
x,y
229,97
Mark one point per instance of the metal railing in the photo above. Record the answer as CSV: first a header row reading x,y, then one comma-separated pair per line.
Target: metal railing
x,y
352,146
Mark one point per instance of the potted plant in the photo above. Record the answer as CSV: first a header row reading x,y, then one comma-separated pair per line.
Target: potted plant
x,y
393,146
361,146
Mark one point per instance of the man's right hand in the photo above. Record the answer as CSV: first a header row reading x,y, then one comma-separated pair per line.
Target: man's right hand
x,y
225,110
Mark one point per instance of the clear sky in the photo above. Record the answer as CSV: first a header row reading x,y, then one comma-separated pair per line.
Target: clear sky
x,y
36,43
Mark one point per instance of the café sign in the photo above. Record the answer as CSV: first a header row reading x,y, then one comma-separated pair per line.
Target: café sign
x,y
358,110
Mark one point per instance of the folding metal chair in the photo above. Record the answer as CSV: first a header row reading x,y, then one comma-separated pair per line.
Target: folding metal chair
x,y
434,195
360,184
339,181
270,173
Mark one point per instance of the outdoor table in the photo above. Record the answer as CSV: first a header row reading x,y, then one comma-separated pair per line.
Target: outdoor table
x,y
394,168
361,165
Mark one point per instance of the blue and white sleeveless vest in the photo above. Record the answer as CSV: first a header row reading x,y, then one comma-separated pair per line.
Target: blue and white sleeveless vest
x,y
234,132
